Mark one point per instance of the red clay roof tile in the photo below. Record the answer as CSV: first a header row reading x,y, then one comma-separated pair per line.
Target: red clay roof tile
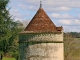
x,y
41,23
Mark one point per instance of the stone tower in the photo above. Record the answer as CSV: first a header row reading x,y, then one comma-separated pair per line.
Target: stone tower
x,y
41,39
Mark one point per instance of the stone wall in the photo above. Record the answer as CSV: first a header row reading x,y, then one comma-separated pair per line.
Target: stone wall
x,y
43,50
41,37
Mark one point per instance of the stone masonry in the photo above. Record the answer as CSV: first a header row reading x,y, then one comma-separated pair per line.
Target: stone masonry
x,y
41,39
43,46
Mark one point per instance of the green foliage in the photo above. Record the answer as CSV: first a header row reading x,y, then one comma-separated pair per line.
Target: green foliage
x,y
9,29
75,34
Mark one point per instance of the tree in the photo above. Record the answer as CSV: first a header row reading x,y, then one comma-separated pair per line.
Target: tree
x,y
9,28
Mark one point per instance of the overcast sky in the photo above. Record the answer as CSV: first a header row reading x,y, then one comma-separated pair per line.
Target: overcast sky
x,y
64,13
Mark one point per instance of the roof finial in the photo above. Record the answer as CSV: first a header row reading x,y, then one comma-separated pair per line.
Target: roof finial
x,y
40,3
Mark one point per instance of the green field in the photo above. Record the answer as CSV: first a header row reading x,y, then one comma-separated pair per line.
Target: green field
x,y
8,58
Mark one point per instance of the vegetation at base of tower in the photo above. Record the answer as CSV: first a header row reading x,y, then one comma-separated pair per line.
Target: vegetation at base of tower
x,y
9,30
5,58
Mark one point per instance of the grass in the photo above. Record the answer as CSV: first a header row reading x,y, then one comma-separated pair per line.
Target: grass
x,y
5,58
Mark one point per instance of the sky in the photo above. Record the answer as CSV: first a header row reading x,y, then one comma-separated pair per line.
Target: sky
x,y
64,13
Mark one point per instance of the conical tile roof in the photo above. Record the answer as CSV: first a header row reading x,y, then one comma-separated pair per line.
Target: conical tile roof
x,y
41,23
